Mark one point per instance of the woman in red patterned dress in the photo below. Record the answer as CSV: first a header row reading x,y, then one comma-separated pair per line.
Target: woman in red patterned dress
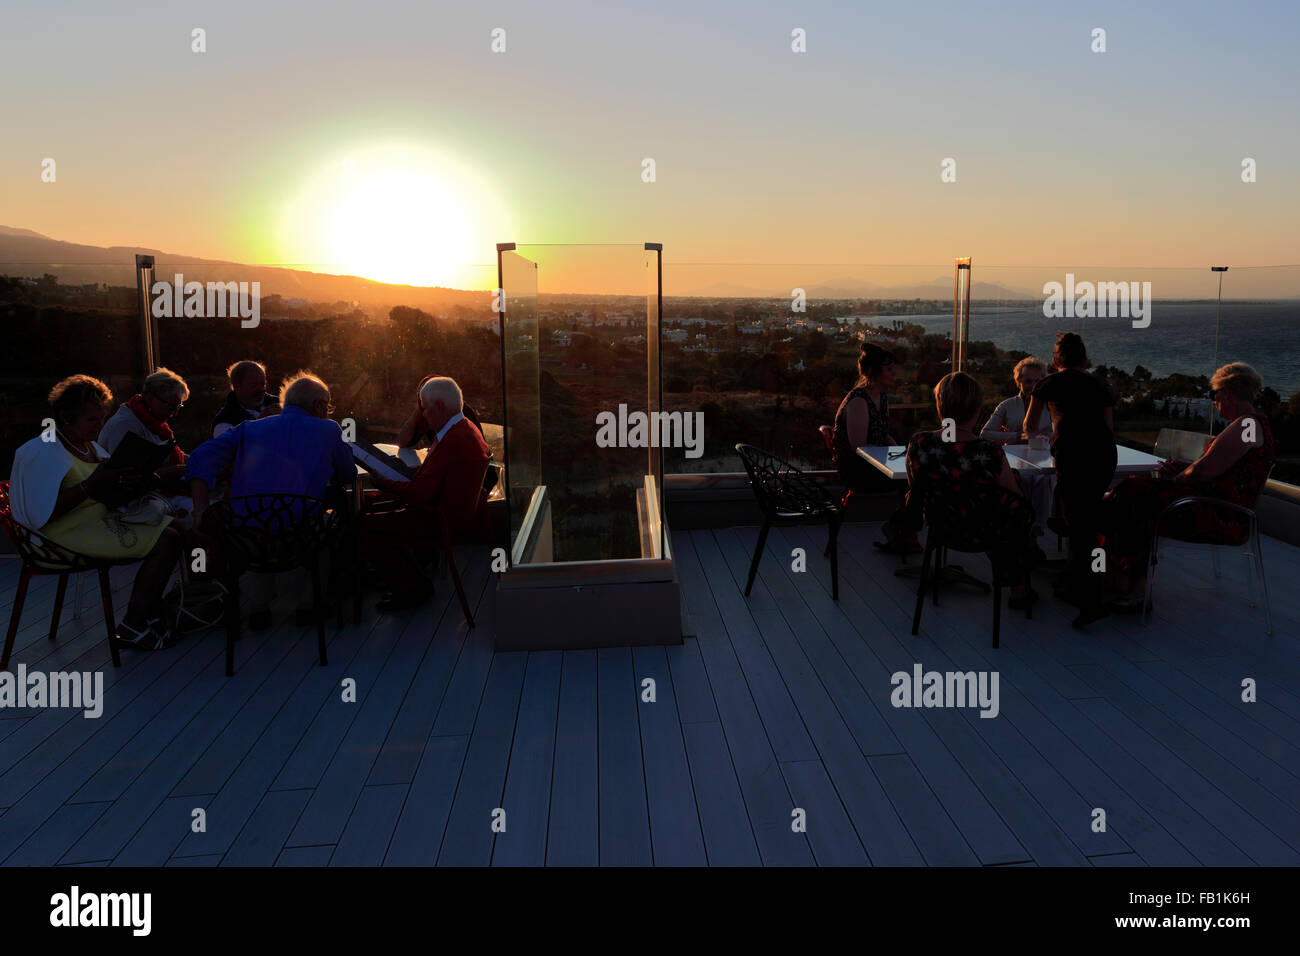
x,y
1234,467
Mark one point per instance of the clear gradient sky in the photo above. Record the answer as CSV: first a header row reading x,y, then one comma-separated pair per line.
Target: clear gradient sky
x,y
315,133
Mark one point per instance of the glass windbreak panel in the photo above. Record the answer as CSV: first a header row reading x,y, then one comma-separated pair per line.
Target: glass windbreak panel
x,y
653,526
64,319
1261,327
522,414
767,352
591,340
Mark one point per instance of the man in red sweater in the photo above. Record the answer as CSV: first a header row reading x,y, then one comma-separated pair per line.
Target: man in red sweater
x,y
448,486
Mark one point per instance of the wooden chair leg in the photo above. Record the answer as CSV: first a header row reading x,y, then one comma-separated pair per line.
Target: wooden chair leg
x,y
450,556
920,590
316,608
232,622
758,552
110,621
58,604
15,616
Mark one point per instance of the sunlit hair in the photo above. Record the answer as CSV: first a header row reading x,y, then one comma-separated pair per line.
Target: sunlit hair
x,y
1069,352
165,384
303,389
241,368
442,389
71,395
873,360
958,396
1026,363
1239,379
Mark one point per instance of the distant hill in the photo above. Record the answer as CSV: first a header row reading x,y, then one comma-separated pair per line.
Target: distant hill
x,y
10,231
27,253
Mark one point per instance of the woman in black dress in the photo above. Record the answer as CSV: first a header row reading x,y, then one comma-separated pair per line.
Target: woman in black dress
x,y
1083,444
863,419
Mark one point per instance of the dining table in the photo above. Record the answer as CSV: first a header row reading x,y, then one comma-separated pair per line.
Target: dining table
x,y
891,461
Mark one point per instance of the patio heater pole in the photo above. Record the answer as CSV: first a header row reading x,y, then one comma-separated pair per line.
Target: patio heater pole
x,y
143,284
1218,319
960,312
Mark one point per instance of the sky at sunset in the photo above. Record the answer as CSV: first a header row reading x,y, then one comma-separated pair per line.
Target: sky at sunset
x,y
389,140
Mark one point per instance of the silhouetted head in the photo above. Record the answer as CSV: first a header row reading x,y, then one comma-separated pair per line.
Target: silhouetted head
x,y
248,381
876,365
79,405
1069,352
1234,389
164,394
440,400
308,392
959,397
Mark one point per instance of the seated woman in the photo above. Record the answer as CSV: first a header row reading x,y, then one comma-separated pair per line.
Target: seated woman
x,y
956,460
863,419
1234,467
147,414
1006,427
55,481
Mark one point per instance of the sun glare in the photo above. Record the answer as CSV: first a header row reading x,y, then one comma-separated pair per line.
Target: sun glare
x,y
396,214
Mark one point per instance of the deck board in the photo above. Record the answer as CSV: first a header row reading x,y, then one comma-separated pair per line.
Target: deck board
x,y
773,702
256,840
573,824
528,782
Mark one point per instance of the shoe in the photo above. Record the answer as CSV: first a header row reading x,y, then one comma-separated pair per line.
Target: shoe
x,y
1018,603
402,602
1090,614
152,637
259,620
1041,560
1127,605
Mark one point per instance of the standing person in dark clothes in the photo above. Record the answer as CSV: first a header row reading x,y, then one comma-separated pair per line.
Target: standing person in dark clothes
x,y
1083,444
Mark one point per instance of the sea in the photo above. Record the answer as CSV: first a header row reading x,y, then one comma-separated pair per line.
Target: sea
x,y
1193,338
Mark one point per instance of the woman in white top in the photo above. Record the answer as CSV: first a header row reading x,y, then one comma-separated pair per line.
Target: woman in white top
x,y
1004,425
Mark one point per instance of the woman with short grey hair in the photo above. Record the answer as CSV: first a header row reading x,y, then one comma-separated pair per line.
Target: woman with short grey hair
x,y
147,414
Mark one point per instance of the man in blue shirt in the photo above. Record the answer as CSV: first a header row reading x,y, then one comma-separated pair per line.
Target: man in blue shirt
x,y
294,453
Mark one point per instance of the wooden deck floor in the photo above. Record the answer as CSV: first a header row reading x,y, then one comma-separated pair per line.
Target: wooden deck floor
x,y
778,701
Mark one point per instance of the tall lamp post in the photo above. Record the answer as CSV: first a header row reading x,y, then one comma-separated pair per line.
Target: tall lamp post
x,y
148,336
960,312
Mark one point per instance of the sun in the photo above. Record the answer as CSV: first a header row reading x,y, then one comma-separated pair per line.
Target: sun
x,y
397,214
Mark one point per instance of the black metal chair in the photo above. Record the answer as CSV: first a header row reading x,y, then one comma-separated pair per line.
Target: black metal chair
x,y
268,534
45,557
988,522
786,493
